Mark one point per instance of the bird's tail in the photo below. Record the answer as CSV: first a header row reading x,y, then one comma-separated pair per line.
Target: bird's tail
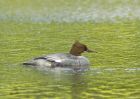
x,y
29,64
38,62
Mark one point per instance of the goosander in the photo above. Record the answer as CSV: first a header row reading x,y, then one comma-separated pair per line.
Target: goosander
x,y
73,59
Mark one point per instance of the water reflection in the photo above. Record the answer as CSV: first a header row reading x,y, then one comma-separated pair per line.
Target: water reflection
x,y
95,83
67,84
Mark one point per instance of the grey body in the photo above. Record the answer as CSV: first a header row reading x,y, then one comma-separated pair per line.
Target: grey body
x,y
60,60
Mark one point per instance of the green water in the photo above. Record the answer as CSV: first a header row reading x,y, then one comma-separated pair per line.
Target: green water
x,y
32,28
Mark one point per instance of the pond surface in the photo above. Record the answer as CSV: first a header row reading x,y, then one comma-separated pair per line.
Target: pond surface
x,y
18,82
32,28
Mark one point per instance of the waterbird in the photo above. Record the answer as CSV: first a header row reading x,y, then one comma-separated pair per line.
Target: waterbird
x,y
73,59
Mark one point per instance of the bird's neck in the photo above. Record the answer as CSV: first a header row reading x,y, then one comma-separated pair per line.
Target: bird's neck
x,y
75,52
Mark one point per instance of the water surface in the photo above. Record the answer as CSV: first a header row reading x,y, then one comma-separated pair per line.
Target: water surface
x,y
32,28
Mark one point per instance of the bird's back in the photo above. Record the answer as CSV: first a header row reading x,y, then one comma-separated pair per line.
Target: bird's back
x,y
60,60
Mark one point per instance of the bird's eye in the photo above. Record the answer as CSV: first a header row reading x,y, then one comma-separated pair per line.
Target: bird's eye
x,y
85,48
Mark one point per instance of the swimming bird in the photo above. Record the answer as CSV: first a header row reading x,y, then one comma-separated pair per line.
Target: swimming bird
x,y
73,59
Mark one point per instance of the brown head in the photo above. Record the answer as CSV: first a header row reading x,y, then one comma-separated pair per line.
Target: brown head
x,y
78,48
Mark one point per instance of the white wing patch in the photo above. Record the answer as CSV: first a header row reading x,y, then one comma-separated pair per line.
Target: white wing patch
x,y
53,59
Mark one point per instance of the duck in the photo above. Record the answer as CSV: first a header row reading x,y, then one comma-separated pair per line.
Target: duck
x,y
73,59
